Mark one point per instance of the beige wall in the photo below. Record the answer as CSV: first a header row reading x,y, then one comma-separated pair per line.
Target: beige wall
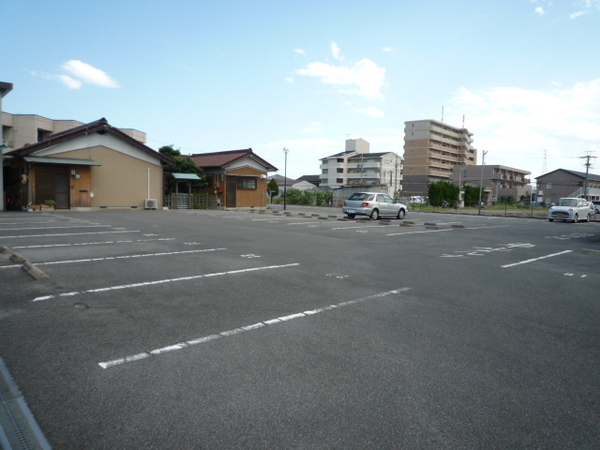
x,y
121,180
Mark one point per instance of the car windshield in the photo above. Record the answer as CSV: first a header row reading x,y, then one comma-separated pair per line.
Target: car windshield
x,y
566,202
359,196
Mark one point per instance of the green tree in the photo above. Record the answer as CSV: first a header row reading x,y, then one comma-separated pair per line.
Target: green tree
x,y
443,191
181,164
273,189
471,195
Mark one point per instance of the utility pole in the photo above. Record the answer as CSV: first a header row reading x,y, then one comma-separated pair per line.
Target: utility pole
x,y
285,151
481,185
587,171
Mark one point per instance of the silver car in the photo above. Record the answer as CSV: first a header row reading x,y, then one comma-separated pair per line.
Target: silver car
x,y
373,205
570,208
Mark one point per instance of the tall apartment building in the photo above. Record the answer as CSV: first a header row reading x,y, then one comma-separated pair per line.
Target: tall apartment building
x,y
356,166
19,130
431,151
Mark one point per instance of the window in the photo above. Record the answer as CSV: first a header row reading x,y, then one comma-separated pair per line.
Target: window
x,y
340,170
246,183
339,180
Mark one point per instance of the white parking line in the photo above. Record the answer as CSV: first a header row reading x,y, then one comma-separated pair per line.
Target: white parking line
x,y
244,329
54,228
535,259
419,232
111,258
81,244
169,280
70,234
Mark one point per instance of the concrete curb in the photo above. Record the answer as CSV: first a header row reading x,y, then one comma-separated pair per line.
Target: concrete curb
x,y
35,272
32,270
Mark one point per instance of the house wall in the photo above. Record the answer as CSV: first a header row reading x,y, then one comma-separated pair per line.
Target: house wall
x,y
121,180
558,184
245,198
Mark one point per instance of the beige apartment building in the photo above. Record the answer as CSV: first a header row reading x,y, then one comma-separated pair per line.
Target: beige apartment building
x,y
499,181
432,149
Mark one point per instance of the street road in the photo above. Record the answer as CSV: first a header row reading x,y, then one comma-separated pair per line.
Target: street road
x,y
231,329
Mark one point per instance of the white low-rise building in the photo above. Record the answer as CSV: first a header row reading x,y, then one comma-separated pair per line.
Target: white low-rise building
x,y
356,166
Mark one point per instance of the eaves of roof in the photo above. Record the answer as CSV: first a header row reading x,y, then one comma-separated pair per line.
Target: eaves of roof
x,y
590,176
100,126
225,159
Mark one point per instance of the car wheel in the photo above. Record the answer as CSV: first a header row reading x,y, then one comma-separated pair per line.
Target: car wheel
x,y
401,213
575,218
351,216
375,214
550,220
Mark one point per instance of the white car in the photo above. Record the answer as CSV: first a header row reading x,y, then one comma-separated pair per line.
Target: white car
x,y
373,205
570,208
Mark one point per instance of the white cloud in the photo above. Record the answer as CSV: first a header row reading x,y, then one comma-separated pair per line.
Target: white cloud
x,y
539,10
290,80
336,51
299,51
88,74
577,14
387,49
367,77
516,125
372,112
71,83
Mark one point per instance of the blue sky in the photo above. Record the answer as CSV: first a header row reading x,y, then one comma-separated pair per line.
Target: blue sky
x,y
220,75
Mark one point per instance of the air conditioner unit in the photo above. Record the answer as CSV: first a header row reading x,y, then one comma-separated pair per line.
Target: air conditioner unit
x,y
150,203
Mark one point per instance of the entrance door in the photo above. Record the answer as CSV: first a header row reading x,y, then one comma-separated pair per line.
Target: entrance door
x,y
53,184
231,190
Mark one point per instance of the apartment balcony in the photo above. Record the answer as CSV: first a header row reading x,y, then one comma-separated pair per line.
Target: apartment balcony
x,y
364,165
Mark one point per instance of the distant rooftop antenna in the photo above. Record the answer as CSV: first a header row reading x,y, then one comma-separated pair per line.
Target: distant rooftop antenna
x,y
463,120
442,113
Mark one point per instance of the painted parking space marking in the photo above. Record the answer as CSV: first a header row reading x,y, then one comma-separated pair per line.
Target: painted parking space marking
x,y
168,280
55,228
536,259
244,329
480,251
487,227
115,258
82,244
419,232
70,234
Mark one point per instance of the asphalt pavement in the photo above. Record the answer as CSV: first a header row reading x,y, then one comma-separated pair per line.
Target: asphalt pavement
x,y
299,329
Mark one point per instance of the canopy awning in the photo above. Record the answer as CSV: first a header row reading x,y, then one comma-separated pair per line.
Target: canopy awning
x,y
67,161
185,176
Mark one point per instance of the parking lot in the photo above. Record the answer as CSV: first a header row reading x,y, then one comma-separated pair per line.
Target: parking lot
x,y
239,329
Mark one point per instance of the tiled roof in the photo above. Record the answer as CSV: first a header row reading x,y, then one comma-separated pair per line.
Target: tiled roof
x,y
100,126
224,159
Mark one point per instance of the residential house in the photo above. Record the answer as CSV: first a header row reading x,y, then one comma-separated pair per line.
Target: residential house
x,y
91,165
356,166
238,177
567,183
312,179
432,150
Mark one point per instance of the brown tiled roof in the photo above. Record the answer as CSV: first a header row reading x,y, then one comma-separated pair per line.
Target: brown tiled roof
x,y
224,159
100,126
